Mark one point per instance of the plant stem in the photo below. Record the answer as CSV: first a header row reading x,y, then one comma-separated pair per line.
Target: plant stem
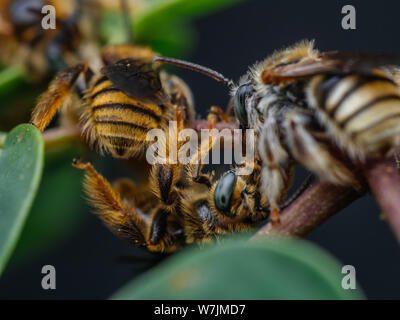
x,y
384,180
54,138
3,136
59,137
318,203
204,124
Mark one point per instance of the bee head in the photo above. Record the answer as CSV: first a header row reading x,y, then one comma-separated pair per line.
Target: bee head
x,y
227,198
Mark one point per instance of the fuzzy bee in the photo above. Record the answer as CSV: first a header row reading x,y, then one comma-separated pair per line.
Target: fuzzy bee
x,y
41,51
328,111
319,108
182,205
119,104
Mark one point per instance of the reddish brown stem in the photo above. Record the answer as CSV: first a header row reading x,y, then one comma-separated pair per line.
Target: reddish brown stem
x,y
384,181
318,203
204,124
59,137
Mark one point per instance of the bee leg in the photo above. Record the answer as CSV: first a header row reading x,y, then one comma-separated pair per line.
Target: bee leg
x,y
195,166
162,232
222,115
164,176
397,159
277,171
165,230
313,155
180,116
122,214
216,114
58,93
121,218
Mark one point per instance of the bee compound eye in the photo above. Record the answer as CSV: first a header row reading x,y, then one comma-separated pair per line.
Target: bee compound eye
x,y
239,103
223,192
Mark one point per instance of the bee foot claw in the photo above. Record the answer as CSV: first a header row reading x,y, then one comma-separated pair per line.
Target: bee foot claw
x,y
275,220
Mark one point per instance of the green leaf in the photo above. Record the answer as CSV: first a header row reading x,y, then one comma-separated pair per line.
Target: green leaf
x,y
159,13
21,164
10,80
112,28
3,137
274,269
59,204
175,40
162,24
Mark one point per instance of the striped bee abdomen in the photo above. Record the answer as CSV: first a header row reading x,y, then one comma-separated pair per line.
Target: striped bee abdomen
x,y
362,111
118,123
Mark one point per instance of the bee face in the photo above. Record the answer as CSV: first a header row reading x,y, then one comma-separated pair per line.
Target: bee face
x,y
234,198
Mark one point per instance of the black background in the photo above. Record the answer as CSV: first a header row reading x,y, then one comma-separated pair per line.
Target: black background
x,y
93,263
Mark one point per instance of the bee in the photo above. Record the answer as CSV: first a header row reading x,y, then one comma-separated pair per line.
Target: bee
x,y
319,109
181,206
128,97
328,111
43,51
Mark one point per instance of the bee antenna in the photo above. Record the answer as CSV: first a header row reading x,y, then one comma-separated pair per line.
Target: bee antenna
x,y
127,21
195,67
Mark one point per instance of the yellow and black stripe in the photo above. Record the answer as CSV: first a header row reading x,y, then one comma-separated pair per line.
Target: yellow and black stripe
x,y
364,108
121,122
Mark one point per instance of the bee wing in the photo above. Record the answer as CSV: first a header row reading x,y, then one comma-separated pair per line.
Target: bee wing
x,y
361,62
330,63
137,79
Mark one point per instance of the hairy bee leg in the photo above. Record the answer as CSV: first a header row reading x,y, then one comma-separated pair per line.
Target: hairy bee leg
x,y
165,231
128,191
277,171
133,218
164,183
56,96
212,120
164,176
180,116
215,114
195,166
299,191
221,113
397,159
314,155
122,218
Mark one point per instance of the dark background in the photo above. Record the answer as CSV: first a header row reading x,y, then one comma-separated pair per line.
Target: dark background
x,y
92,263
